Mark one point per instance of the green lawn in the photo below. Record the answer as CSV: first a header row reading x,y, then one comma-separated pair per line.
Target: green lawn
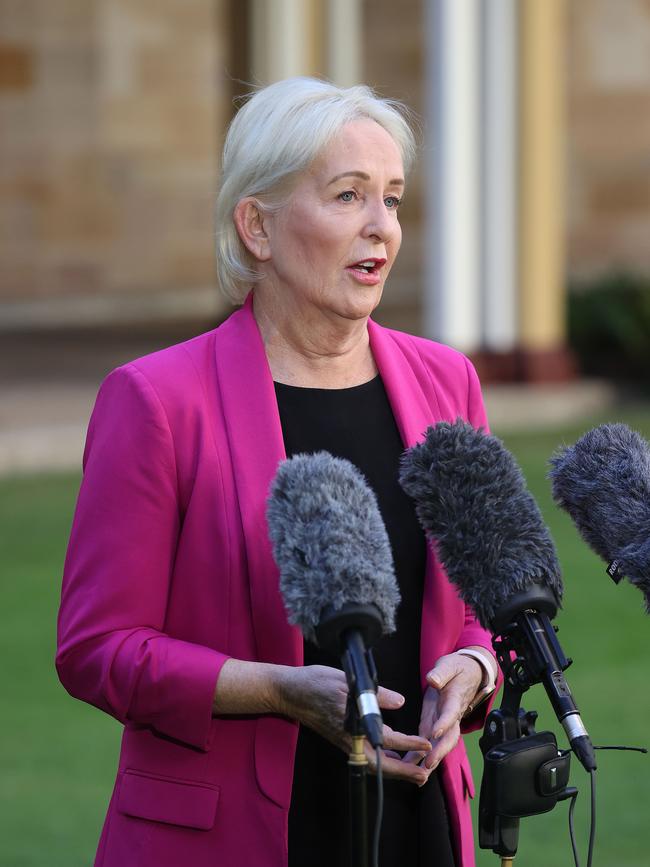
x,y
58,756
604,629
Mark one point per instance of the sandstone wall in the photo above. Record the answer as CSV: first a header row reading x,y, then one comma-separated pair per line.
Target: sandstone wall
x,y
609,136
111,114
111,119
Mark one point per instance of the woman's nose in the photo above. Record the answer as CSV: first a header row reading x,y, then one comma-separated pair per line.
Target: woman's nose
x,y
381,222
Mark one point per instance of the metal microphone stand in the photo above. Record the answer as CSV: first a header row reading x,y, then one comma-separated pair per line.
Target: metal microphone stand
x,y
351,631
524,772
524,775
357,794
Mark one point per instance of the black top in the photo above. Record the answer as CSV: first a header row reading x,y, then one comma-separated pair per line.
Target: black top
x,y
358,424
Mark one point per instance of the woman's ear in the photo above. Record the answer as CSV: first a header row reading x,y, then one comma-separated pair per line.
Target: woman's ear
x,y
251,224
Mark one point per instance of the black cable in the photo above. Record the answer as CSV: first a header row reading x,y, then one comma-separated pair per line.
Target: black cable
x,y
631,749
380,810
592,830
592,775
592,827
572,830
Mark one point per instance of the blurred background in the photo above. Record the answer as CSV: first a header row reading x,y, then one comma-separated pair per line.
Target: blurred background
x,y
526,221
526,245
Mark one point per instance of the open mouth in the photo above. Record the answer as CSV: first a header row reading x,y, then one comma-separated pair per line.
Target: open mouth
x,y
368,266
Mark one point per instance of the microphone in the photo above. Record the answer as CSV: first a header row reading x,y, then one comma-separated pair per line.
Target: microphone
x,y
472,500
336,567
603,482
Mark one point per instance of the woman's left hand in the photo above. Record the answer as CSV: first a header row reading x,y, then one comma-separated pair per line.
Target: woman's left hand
x,y
453,683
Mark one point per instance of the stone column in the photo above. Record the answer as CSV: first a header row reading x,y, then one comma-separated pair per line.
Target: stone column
x,y
451,157
498,171
344,42
542,272
285,39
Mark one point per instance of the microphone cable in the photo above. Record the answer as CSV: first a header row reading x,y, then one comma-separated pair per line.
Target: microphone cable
x,y
592,828
380,810
573,794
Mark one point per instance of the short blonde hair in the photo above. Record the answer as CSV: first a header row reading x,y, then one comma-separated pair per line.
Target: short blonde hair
x,y
275,136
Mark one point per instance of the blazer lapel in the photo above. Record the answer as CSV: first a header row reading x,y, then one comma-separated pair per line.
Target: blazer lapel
x,y
413,407
256,447
412,394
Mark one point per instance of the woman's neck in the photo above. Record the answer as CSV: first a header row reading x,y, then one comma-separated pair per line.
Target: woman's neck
x,y
314,350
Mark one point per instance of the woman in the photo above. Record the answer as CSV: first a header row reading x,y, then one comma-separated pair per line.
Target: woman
x,y
171,618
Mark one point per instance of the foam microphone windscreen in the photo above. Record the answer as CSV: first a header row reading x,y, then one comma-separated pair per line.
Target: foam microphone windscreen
x,y
472,500
603,482
329,541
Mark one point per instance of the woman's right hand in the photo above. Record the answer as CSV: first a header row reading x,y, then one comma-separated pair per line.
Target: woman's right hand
x,y
316,696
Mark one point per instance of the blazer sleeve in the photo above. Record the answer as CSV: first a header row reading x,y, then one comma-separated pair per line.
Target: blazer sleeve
x,y
112,648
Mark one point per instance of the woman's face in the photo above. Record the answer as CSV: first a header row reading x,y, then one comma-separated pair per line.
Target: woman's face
x,y
333,244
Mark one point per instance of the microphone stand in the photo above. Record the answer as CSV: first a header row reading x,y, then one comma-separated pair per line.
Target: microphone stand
x,y
507,724
357,794
351,631
524,773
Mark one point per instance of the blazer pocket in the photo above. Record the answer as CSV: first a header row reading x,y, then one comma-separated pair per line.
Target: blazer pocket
x,y
174,802
468,779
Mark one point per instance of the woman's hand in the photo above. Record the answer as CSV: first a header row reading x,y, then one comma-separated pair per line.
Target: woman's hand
x,y
316,696
453,683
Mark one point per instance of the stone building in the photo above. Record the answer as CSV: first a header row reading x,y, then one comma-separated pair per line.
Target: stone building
x,y
112,114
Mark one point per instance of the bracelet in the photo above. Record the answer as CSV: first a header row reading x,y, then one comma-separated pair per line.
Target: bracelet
x,y
488,671
488,684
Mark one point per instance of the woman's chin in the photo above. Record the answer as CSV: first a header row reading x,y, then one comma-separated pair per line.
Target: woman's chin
x,y
361,303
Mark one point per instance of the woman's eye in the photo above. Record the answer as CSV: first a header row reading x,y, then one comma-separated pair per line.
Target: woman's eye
x,y
347,196
392,202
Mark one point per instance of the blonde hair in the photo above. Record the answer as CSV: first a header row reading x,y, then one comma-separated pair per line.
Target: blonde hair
x,y
275,136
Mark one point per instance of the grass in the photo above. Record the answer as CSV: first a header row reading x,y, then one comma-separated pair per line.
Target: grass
x,y
58,756
602,627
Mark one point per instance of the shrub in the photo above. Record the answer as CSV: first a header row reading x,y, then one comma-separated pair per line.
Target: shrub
x,y
609,327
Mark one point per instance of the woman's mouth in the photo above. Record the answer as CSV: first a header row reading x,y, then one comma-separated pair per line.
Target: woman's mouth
x,y
367,271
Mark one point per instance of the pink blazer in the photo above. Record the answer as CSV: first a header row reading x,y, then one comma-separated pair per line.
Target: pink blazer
x,y
169,572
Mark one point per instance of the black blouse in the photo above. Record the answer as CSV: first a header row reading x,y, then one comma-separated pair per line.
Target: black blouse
x,y
357,424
